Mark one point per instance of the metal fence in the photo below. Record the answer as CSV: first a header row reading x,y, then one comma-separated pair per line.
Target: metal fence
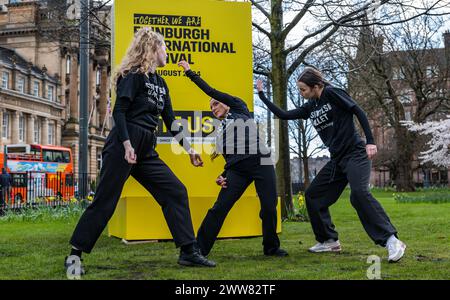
x,y
30,189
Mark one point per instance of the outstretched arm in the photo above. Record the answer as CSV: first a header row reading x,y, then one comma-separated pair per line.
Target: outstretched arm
x,y
225,98
298,113
168,117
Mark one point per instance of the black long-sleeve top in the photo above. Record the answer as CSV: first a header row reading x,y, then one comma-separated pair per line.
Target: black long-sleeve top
x,y
332,117
141,99
234,145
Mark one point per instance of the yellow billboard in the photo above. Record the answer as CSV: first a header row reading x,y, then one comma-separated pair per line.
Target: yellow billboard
x,y
215,37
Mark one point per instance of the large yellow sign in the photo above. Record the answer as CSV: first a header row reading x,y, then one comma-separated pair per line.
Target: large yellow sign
x,y
215,38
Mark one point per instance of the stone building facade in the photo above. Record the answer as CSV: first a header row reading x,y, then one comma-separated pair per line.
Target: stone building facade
x,y
39,88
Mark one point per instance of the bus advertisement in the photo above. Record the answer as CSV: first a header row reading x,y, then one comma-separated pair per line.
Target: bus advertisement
x,y
38,172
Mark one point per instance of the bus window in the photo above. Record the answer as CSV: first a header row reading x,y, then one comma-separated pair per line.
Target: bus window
x,y
17,149
48,155
66,156
57,156
35,152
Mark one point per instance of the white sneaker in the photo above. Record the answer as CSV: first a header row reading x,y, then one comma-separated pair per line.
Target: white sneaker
x,y
327,246
396,249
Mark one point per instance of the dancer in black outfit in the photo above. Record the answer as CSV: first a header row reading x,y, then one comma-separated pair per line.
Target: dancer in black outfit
x,y
331,112
244,156
142,95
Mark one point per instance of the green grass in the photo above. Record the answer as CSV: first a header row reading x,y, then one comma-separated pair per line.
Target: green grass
x,y
423,197
36,249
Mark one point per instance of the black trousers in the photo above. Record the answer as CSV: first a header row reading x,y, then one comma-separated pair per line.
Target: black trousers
x,y
239,178
151,172
325,189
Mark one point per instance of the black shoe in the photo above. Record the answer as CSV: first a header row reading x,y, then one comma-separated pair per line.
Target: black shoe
x,y
276,252
74,268
195,259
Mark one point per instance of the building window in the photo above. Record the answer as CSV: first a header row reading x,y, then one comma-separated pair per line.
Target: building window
x,y
98,77
5,80
51,133
398,73
406,99
21,128
50,93
36,88
21,84
431,71
68,64
37,131
407,115
99,159
5,125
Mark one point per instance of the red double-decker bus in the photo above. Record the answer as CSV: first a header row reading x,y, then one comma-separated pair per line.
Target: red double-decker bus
x,y
38,172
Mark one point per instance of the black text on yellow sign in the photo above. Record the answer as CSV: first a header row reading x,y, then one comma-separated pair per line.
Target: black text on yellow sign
x,y
183,36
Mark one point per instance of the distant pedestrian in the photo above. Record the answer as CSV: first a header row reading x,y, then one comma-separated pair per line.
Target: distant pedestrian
x,y
5,186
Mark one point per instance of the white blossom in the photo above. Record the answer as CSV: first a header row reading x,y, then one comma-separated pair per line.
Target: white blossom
x,y
438,151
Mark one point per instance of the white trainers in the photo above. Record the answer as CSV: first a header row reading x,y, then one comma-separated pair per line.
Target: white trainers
x,y
327,246
396,249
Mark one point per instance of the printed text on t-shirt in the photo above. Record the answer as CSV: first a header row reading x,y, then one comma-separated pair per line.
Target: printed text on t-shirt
x,y
320,117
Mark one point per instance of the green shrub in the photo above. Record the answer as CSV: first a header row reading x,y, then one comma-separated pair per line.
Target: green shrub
x,y
43,213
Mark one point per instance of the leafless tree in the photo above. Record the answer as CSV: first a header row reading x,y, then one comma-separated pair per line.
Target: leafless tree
x,y
279,22
59,22
403,75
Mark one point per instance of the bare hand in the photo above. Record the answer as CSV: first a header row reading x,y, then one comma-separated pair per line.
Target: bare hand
x,y
259,85
222,181
184,65
196,159
371,150
130,156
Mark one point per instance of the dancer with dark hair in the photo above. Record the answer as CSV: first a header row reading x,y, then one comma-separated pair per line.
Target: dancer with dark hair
x,y
244,156
331,111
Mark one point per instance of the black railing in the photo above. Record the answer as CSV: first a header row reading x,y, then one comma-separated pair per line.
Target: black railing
x,y
30,189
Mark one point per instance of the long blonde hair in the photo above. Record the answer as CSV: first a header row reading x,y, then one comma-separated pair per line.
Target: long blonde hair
x,y
141,54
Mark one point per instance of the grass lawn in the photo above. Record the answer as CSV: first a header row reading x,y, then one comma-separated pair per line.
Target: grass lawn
x,y
36,250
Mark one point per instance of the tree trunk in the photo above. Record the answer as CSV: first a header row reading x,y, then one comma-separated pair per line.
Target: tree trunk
x,y
299,147
279,86
403,141
283,169
306,172
405,155
269,116
305,155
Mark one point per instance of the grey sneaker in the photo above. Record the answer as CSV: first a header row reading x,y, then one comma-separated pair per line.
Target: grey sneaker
x,y
327,246
74,269
396,249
